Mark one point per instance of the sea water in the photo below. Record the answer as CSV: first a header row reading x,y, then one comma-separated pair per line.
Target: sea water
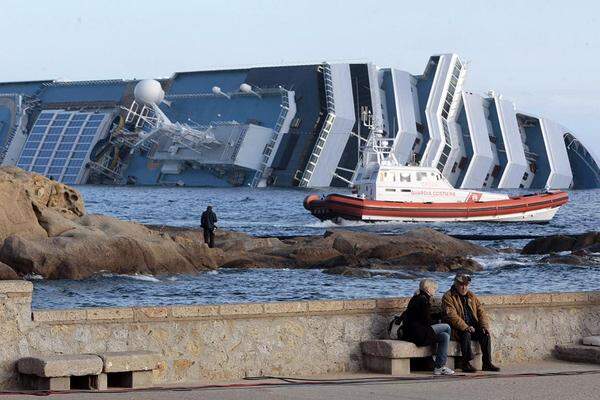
x,y
279,212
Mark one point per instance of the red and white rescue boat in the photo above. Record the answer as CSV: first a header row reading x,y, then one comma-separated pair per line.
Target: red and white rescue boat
x,y
386,191
540,207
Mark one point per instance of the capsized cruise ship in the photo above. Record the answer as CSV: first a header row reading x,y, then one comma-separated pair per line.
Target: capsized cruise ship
x,y
283,126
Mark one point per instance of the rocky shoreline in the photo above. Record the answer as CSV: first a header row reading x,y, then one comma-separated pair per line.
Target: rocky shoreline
x,y
46,231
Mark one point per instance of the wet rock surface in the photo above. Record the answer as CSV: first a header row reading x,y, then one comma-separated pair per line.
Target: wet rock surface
x,y
7,273
557,243
579,257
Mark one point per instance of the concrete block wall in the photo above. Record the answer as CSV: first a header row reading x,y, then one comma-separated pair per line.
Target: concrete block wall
x,y
202,343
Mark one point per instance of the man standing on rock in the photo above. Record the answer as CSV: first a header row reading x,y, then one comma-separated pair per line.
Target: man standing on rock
x,y
207,222
464,313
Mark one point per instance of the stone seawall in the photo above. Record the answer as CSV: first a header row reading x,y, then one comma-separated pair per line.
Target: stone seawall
x,y
228,341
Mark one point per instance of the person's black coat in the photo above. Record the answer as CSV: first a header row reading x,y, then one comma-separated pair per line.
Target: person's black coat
x,y
208,220
418,320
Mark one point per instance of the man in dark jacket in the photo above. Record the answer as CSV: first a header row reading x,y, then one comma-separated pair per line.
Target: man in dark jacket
x,y
207,222
469,321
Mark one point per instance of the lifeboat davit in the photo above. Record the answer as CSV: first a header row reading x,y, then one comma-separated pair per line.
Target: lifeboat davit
x,y
539,207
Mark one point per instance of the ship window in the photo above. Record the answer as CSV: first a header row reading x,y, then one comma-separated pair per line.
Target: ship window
x,y
97,117
69,139
25,161
28,153
45,116
69,179
73,170
45,153
71,131
86,139
42,162
62,117
59,123
390,190
32,145
92,125
36,137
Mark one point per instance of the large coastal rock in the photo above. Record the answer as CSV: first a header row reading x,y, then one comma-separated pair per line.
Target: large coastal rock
x,y
421,249
558,243
46,231
96,243
352,253
23,195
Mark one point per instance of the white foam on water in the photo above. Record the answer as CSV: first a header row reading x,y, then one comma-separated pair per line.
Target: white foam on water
x,y
33,277
139,277
496,262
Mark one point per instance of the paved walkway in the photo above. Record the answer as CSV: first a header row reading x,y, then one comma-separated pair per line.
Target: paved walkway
x,y
554,380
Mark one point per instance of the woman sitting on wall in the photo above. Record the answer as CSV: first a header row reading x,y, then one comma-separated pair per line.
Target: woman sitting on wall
x,y
419,326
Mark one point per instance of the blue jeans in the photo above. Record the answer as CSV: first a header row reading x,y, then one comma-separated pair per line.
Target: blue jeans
x,y
442,332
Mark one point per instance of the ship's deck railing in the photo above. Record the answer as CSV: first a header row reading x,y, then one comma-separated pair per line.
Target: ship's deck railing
x,y
268,150
325,129
275,91
114,174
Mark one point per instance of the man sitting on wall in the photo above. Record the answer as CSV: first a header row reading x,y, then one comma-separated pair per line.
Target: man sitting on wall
x,y
464,313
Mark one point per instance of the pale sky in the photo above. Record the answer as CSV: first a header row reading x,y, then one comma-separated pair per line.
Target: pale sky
x,y
544,55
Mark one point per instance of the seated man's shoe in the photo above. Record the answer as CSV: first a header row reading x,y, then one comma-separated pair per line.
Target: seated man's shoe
x,y
467,367
443,371
490,367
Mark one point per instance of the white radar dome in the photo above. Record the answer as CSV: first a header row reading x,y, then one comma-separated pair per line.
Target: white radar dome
x,y
149,91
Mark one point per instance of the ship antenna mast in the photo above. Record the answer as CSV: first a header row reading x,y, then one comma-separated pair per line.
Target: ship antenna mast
x,y
377,146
